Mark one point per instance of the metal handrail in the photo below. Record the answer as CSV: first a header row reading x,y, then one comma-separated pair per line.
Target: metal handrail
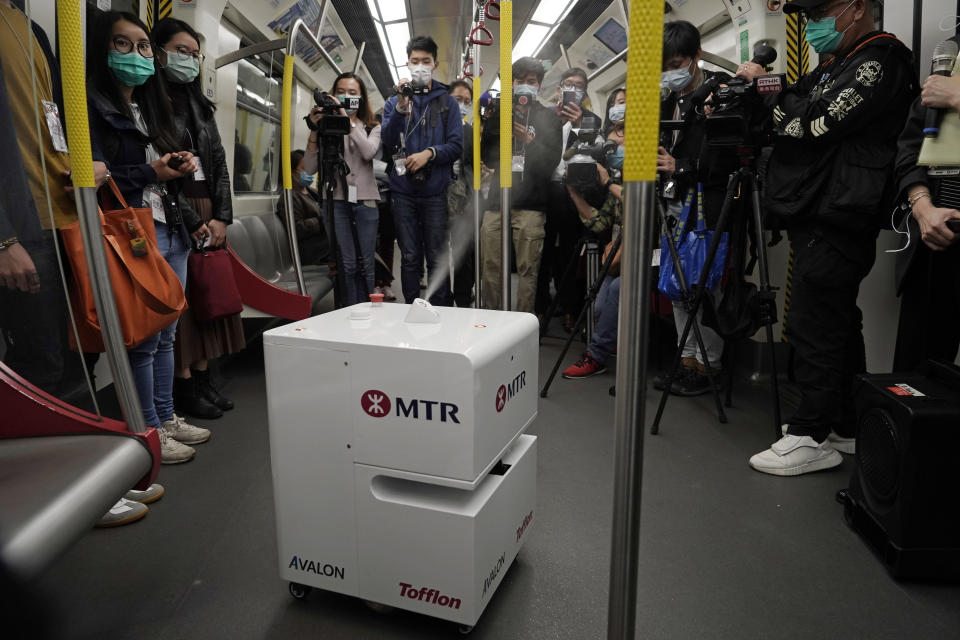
x,y
298,29
252,50
606,65
85,191
639,175
506,148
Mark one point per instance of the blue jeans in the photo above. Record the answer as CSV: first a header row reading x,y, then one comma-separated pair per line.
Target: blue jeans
x,y
421,225
358,285
152,359
607,312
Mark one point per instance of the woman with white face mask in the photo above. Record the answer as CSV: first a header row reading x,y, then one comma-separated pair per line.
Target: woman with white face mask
x,y
208,192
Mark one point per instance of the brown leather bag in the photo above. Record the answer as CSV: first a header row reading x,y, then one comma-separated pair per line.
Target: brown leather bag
x,y
146,289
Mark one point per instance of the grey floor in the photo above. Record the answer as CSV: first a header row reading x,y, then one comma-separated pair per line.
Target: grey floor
x,y
725,552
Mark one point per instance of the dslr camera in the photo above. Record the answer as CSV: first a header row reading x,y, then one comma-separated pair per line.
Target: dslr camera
x,y
585,155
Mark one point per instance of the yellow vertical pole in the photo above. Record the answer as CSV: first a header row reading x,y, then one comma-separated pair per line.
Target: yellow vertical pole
x,y
645,45
477,179
73,74
506,145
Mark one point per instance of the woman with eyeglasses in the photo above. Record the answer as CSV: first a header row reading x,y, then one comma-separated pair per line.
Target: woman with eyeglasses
x,y
208,192
132,126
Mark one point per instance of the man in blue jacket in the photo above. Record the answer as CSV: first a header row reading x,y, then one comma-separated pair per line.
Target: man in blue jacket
x,y
423,134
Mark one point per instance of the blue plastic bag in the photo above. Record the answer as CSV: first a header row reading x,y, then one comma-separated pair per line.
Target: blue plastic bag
x,y
692,250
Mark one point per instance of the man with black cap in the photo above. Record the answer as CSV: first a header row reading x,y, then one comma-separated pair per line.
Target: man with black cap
x,y
829,182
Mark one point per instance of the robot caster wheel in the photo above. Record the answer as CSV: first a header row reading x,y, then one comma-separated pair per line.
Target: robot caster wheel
x,y
465,629
382,609
299,591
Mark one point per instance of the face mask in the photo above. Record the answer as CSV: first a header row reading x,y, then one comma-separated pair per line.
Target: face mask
x,y
131,69
823,35
342,99
525,90
676,80
466,111
615,159
617,112
421,73
180,70
306,179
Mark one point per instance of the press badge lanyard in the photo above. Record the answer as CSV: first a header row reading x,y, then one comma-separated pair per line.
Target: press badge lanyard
x,y
398,164
519,159
50,110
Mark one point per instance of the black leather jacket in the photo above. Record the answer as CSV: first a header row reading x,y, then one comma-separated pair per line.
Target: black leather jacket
x,y
198,131
115,138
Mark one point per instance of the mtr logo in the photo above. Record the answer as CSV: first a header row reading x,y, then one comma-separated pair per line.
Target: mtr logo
x,y
506,392
378,404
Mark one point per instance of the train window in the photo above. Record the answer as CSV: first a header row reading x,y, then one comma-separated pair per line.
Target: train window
x,y
256,155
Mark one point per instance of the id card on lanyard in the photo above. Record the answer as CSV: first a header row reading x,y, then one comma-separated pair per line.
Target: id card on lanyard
x,y
399,164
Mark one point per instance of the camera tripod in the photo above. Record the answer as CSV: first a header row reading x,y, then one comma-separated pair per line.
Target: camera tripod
x,y
589,244
334,169
741,181
692,321
588,302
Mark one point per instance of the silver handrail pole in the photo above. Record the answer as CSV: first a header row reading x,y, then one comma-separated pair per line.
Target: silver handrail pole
x,y
85,193
477,213
297,29
639,174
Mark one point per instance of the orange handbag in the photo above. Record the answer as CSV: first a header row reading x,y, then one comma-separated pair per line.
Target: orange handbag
x,y
148,294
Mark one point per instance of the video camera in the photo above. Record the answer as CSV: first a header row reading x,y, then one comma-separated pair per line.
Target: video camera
x,y
332,123
739,117
582,159
410,89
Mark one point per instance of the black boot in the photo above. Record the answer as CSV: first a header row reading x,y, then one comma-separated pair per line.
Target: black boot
x,y
188,401
209,392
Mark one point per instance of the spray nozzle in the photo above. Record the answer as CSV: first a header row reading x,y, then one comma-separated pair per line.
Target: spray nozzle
x,y
422,312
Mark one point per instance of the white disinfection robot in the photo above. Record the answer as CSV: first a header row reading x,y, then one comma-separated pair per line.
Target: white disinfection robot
x,y
402,474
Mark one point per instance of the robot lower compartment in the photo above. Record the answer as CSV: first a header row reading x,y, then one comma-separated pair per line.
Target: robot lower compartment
x,y
402,474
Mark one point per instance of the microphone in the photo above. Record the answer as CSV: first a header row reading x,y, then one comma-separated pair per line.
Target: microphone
x,y
764,55
944,57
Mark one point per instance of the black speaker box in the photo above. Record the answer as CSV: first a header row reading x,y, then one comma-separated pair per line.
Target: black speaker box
x,y
904,496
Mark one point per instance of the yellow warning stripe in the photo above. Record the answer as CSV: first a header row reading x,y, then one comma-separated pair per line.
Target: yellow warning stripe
x,y
798,63
166,9
151,14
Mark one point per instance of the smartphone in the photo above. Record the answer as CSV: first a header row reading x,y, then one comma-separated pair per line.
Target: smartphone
x,y
570,97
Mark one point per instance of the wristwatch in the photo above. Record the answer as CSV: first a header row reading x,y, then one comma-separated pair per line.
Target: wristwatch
x,y
9,242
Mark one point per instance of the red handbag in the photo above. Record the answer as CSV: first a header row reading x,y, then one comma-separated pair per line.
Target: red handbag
x,y
210,284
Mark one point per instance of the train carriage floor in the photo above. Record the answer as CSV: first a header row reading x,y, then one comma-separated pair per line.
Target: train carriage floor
x,y
726,552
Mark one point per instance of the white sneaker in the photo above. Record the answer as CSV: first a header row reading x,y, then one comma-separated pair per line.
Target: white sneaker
x,y
123,512
152,493
173,452
841,444
388,295
796,455
181,430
